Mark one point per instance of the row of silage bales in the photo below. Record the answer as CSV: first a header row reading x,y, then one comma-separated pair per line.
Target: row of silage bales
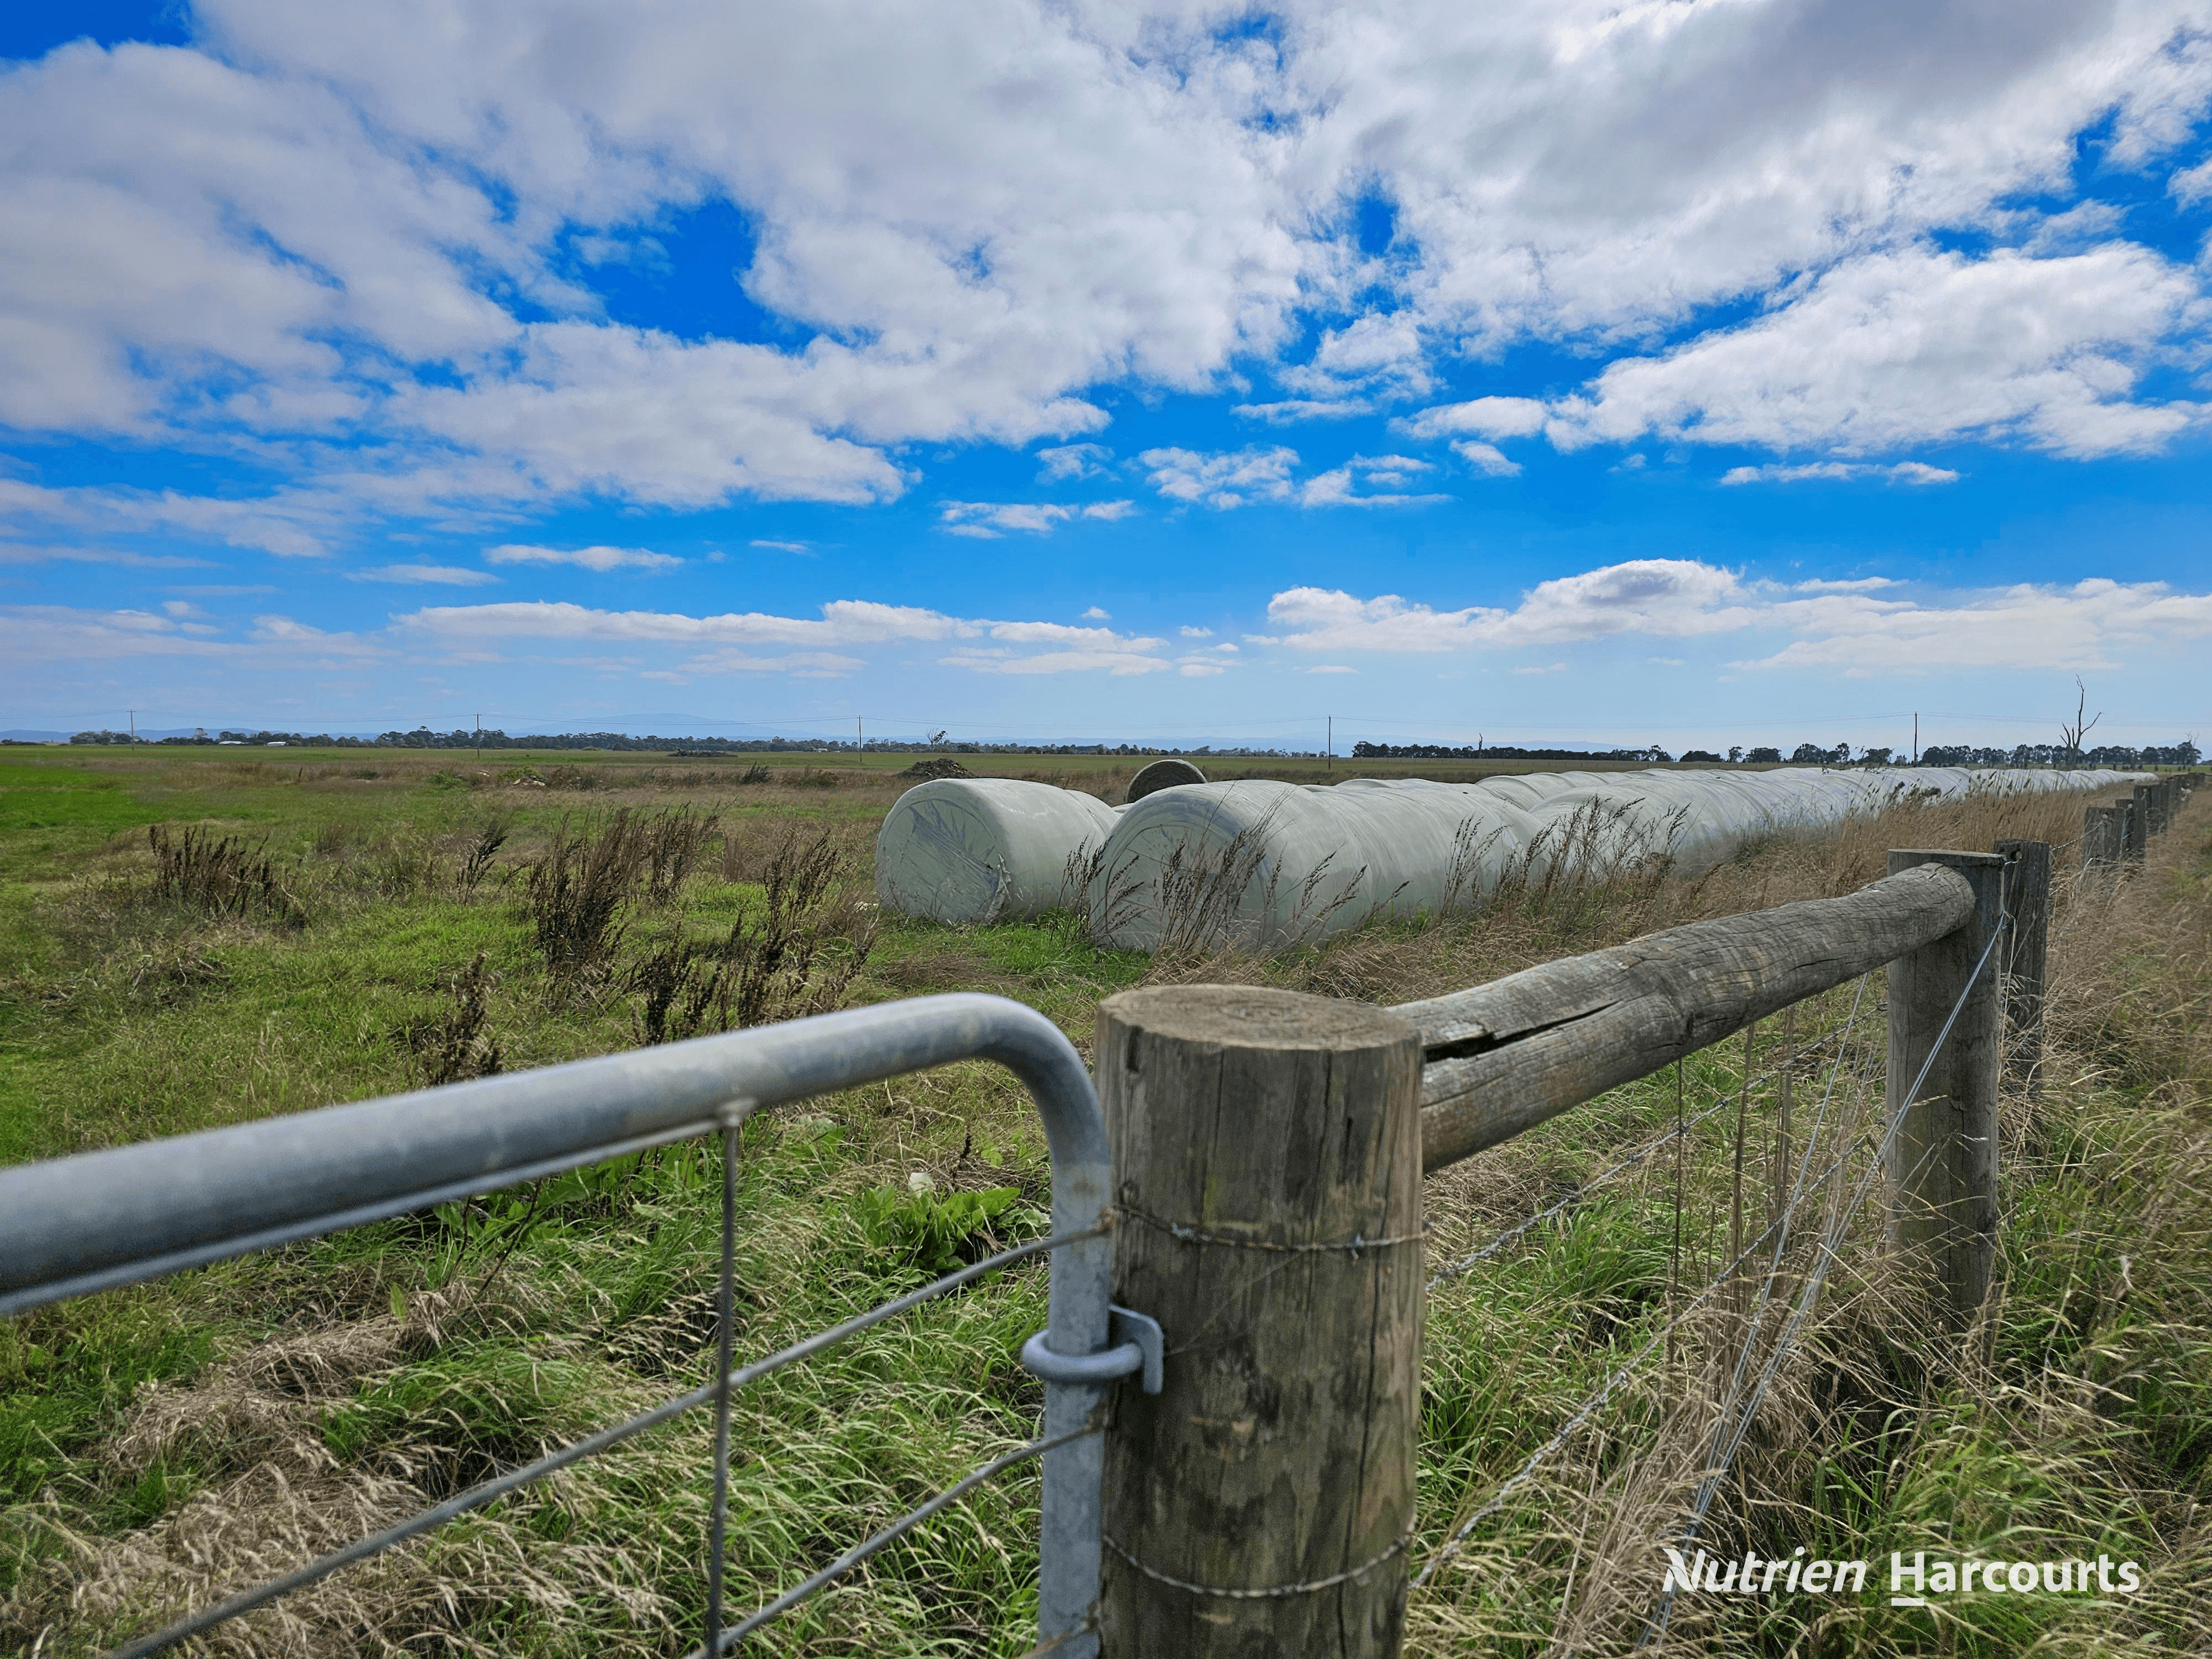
x,y
1264,864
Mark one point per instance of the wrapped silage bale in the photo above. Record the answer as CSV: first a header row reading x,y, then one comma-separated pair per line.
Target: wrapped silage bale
x,y
985,849
1262,864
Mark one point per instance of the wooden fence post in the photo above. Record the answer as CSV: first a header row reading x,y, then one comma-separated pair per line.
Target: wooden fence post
x,y
2027,916
1942,1160
1268,1170
2138,807
2099,841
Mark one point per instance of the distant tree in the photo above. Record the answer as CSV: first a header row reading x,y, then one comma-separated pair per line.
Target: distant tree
x,y
1876,757
2071,736
1701,755
1655,753
1735,755
1809,754
1767,756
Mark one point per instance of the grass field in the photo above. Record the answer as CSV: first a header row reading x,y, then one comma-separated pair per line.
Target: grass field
x,y
164,1445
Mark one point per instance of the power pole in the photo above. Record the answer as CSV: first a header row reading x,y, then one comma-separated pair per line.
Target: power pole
x,y
860,734
1916,739
1329,765
134,724
479,719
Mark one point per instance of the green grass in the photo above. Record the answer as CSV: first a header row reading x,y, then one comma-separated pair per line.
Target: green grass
x,y
246,1411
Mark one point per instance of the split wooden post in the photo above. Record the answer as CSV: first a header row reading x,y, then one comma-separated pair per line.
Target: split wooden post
x,y
1942,1160
2027,918
1267,1172
2097,846
2138,807
2148,799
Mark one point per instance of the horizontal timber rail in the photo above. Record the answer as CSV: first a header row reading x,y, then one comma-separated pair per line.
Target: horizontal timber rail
x,y
1504,1057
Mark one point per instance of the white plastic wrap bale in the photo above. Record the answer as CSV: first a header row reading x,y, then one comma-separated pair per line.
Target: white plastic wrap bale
x,y
985,849
1262,864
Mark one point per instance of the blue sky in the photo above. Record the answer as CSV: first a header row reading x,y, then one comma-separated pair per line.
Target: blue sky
x,y
1695,372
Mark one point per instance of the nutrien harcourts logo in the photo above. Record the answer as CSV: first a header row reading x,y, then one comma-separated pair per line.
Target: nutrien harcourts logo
x,y
1912,1583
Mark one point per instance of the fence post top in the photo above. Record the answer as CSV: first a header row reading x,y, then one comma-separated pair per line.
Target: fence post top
x,y
1903,858
1257,1017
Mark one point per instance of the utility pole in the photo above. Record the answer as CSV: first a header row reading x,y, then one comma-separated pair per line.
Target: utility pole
x,y
860,734
1329,765
479,744
1916,739
134,724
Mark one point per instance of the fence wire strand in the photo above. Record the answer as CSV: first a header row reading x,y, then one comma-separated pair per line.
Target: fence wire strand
x,y
1444,1275
1590,1406
1734,1426
890,1535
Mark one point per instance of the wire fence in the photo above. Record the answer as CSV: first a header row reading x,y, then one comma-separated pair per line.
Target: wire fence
x,y
1738,1410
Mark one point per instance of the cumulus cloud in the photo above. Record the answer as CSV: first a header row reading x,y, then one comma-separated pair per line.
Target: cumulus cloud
x,y
1265,473
1903,472
436,575
1483,417
1488,460
1226,479
1059,463
1860,626
988,521
371,266
731,643
1667,596
1914,347
600,559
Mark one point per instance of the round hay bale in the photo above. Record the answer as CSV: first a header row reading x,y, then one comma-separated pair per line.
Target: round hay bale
x,y
1162,774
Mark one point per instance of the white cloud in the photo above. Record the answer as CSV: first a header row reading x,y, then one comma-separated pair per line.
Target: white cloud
x,y
1860,626
1487,458
1913,347
988,521
443,575
1097,613
1059,463
1547,668
1903,472
805,548
1666,596
1367,481
1333,668
1190,633
1289,410
20,553
358,245
601,559
1227,479
1483,417
729,643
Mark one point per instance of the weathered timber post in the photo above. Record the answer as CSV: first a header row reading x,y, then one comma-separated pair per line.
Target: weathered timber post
x,y
1267,1172
2099,841
1942,1160
2148,800
2138,807
2024,953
